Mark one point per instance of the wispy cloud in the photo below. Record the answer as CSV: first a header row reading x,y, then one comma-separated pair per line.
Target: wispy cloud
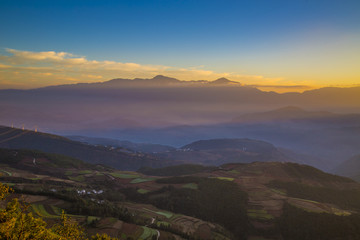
x,y
29,69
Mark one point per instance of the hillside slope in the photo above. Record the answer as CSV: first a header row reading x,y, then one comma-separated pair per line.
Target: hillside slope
x,y
349,168
233,150
261,200
115,157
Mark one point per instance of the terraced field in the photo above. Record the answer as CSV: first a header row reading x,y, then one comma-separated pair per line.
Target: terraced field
x,y
92,195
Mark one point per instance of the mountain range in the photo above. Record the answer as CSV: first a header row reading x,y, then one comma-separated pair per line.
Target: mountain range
x,y
157,102
322,123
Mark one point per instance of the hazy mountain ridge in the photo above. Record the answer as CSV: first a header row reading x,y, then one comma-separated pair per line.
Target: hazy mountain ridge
x,y
121,155
297,114
116,157
137,147
349,168
213,151
80,107
177,116
157,81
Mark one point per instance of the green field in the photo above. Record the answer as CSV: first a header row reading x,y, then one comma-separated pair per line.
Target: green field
x,y
259,214
140,180
165,214
226,178
148,233
40,210
123,175
234,171
85,172
8,173
142,191
77,178
162,223
90,219
56,210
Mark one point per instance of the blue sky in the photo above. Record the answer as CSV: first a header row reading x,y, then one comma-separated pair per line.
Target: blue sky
x,y
285,42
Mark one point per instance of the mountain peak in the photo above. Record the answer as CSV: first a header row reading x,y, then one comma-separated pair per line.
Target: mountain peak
x,y
166,79
223,81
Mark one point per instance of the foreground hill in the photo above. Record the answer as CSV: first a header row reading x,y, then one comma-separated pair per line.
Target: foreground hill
x,y
261,200
116,157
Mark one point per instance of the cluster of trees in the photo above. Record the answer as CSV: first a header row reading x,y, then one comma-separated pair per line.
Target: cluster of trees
x,y
16,222
300,171
215,200
297,224
345,198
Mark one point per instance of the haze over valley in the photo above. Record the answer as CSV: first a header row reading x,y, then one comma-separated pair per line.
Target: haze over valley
x,y
321,123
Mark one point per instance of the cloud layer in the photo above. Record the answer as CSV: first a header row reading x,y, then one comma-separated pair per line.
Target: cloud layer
x,y
27,69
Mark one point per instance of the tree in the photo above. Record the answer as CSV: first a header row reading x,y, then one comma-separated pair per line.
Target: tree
x,y
15,223
68,229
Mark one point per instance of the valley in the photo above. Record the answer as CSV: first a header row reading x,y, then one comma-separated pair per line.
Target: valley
x,y
231,201
179,120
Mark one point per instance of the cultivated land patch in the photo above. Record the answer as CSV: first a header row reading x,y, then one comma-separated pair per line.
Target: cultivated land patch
x,y
259,214
313,206
6,172
85,172
40,210
148,233
162,213
78,178
226,178
162,223
123,175
142,191
141,180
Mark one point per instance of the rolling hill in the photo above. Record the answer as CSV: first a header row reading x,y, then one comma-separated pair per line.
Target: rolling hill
x,y
261,200
126,155
136,147
235,150
115,157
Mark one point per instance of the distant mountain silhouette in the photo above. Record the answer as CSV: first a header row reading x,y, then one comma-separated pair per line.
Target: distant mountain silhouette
x,y
284,113
223,81
157,81
349,168
168,111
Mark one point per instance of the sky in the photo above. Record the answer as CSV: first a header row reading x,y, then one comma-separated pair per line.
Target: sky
x,y
276,45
